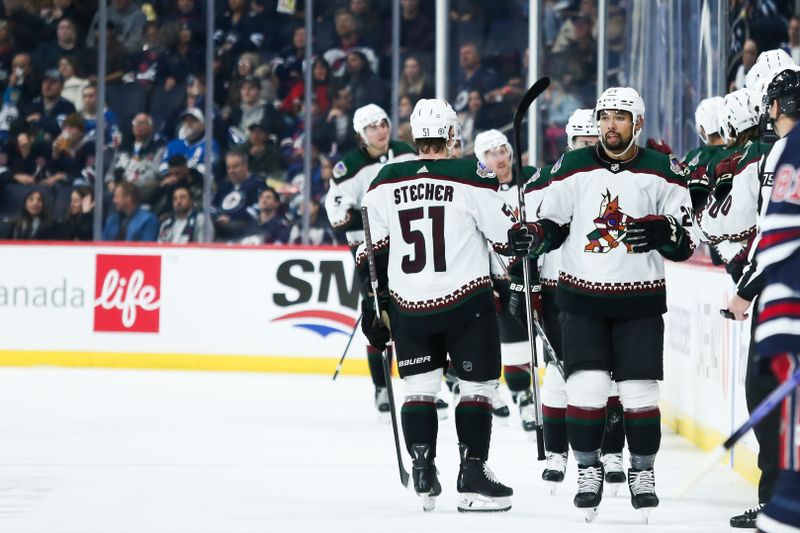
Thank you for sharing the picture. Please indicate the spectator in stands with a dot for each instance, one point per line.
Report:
(416, 29)
(263, 156)
(472, 76)
(27, 29)
(325, 175)
(794, 39)
(236, 198)
(187, 13)
(7, 52)
(587, 10)
(48, 111)
(144, 67)
(65, 45)
(190, 143)
(89, 114)
(78, 224)
(32, 223)
(473, 120)
(185, 223)
(73, 82)
(749, 56)
(183, 54)
(288, 68)
(349, 38)
(319, 229)
(252, 109)
(273, 228)
(129, 222)
(366, 87)
(371, 22)
(72, 155)
(128, 21)
(576, 64)
(245, 69)
(322, 79)
(178, 174)
(414, 83)
(334, 131)
(22, 88)
(28, 157)
(236, 32)
(560, 104)
(74, 10)
(404, 108)
(117, 56)
(137, 158)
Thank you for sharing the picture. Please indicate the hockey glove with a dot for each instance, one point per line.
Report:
(653, 232)
(376, 332)
(699, 188)
(522, 238)
(725, 171)
(516, 303)
(659, 146)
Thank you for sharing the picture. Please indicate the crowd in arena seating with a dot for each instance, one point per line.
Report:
(156, 85)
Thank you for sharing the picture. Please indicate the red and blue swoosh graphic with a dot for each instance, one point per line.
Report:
(320, 321)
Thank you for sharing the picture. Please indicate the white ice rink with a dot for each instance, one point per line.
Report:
(112, 451)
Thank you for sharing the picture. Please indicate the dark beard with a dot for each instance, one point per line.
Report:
(617, 146)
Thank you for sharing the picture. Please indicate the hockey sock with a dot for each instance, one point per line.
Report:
(474, 425)
(614, 437)
(518, 377)
(419, 420)
(554, 422)
(643, 429)
(585, 427)
(375, 362)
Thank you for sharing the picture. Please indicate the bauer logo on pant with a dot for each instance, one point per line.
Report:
(127, 293)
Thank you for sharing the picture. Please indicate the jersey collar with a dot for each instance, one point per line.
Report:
(613, 165)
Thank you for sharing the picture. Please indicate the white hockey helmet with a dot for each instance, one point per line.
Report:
(366, 116)
(708, 115)
(581, 124)
(489, 140)
(621, 99)
(738, 113)
(768, 65)
(432, 118)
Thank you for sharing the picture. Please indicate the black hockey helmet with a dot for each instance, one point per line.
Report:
(785, 89)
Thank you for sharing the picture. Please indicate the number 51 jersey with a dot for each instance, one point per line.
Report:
(434, 218)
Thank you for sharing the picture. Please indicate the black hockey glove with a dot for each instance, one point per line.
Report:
(659, 146)
(653, 232)
(522, 238)
(699, 188)
(516, 303)
(376, 332)
(725, 171)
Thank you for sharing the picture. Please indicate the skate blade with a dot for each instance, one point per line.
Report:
(428, 502)
(645, 516)
(471, 502)
(589, 514)
(613, 488)
(384, 417)
(553, 487)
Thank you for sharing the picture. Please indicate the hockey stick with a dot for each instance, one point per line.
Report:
(387, 368)
(522, 109)
(764, 408)
(539, 330)
(352, 334)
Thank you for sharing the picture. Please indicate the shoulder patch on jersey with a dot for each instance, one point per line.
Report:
(483, 171)
(558, 164)
(675, 167)
(339, 169)
(533, 178)
(695, 160)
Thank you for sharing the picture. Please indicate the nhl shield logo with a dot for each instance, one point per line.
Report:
(615, 167)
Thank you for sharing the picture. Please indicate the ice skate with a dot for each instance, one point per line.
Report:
(642, 484)
(747, 520)
(382, 400)
(424, 473)
(590, 490)
(441, 408)
(527, 410)
(614, 472)
(479, 490)
(499, 408)
(554, 470)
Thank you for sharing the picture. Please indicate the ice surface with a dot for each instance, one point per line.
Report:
(112, 451)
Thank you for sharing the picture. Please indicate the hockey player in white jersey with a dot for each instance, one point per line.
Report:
(581, 132)
(351, 178)
(430, 222)
(623, 209)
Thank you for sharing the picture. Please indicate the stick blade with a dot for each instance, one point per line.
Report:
(527, 99)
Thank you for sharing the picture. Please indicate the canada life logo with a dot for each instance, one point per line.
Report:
(127, 293)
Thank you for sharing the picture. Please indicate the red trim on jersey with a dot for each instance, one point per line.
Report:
(788, 309)
(439, 177)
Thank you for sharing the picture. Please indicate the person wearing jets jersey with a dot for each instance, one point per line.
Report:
(351, 178)
(495, 155)
(430, 221)
(621, 210)
(581, 133)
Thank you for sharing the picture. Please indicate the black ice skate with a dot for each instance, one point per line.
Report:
(382, 399)
(554, 470)
(642, 484)
(747, 520)
(527, 410)
(614, 472)
(478, 488)
(423, 471)
(590, 490)
(441, 408)
(499, 407)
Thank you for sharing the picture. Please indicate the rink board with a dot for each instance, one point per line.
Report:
(292, 309)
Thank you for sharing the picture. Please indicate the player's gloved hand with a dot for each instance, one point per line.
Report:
(373, 326)
(653, 232)
(522, 238)
(659, 146)
(699, 187)
(516, 303)
(725, 171)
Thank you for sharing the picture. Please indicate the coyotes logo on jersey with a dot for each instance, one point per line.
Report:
(611, 227)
